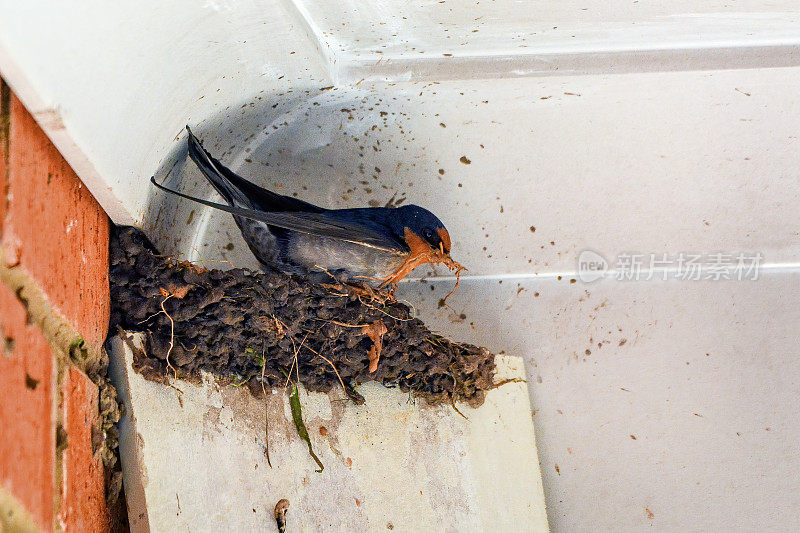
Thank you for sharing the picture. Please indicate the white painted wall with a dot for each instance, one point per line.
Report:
(665, 158)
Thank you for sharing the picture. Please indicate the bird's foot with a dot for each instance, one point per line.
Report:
(363, 290)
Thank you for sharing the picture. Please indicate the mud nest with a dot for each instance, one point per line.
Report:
(251, 327)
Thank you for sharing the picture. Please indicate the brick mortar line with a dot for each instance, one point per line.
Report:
(56, 328)
(61, 443)
(69, 349)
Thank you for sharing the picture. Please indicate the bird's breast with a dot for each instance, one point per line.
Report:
(314, 253)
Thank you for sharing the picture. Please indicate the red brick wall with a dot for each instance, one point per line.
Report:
(53, 293)
(27, 417)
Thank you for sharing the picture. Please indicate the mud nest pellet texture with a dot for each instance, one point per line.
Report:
(250, 328)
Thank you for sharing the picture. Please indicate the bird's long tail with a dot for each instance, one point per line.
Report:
(222, 178)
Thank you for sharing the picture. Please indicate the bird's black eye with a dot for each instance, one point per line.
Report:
(428, 234)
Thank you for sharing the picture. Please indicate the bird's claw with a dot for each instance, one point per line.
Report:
(362, 290)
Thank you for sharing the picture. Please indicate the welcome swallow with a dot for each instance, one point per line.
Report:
(373, 244)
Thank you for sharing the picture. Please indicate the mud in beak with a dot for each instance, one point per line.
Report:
(445, 237)
(421, 253)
